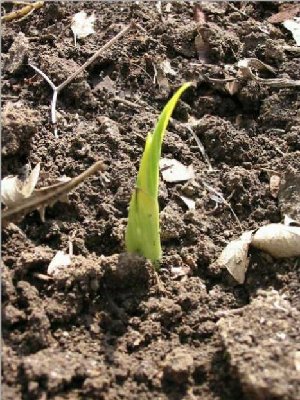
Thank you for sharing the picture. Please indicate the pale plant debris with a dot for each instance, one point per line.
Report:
(47, 196)
(235, 257)
(14, 191)
(219, 198)
(174, 171)
(278, 240)
(274, 185)
(288, 221)
(158, 7)
(201, 148)
(190, 203)
(161, 70)
(189, 126)
(202, 48)
(60, 260)
(160, 77)
(59, 88)
(199, 15)
(82, 25)
(245, 66)
(22, 13)
(297, 360)
(292, 49)
(293, 25)
(54, 97)
(168, 7)
(248, 63)
(232, 87)
(167, 69)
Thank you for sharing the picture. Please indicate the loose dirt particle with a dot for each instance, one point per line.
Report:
(177, 366)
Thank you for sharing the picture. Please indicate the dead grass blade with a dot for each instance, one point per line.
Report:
(41, 198)
(246, 64)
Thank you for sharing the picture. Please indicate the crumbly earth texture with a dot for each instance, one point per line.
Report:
(109, 326)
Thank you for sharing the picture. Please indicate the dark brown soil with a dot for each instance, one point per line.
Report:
(108, 327)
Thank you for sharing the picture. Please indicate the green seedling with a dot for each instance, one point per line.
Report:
(142, 234)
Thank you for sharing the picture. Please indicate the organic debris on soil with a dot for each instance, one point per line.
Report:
(107, 326)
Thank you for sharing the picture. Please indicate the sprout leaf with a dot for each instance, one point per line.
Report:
(142, 234)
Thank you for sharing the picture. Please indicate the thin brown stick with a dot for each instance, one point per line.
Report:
(95, 56)
(57, 89)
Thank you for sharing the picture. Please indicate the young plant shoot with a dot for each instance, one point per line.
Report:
(142, 234)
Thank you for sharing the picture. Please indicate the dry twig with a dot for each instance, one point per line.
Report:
(59, 88)
(23, 12)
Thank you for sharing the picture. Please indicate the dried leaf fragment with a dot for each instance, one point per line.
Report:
(274, 185)
(158, 7)
(168, 7)
(190, 203)
(82, 25)
(14, 191)
(39, 199)
(293, 25)
(246, 64)
(245, 70)
(167, 69)
(278, 240)
(173, 171)
(59, 261)
(235, 257)
(288, 221)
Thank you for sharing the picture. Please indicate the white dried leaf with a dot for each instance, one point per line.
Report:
(190, 203)
(59, 261)
(278, 240)
(168, 7)
(297, 360)
(158, 6)
(14, 191)
(173, 171)
(167, 69)
(289, 221)
(82, 25)
(293, 25)
(235, 257)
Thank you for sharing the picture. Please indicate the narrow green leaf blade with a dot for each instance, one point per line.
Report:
(142, 234)
(148, 175)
